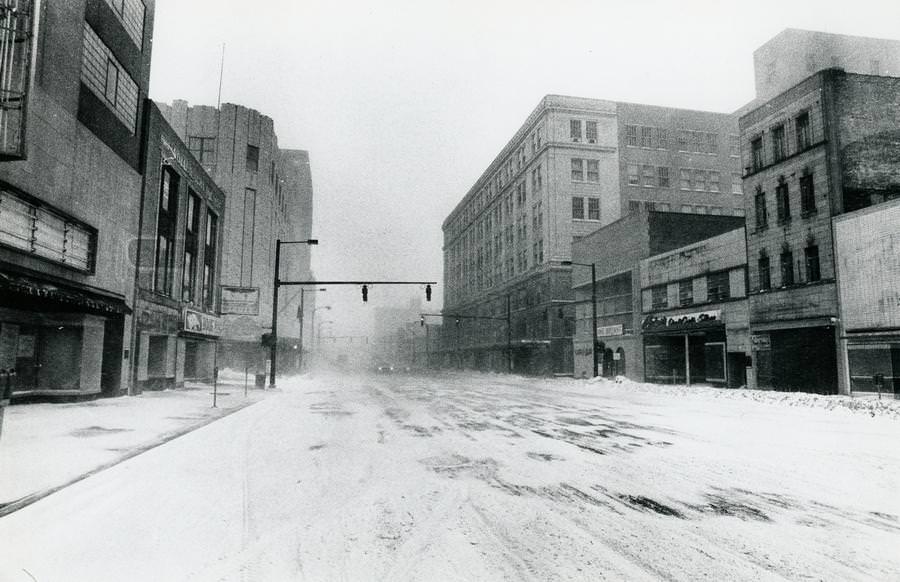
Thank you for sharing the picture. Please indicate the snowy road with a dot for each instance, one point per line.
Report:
(471, 477)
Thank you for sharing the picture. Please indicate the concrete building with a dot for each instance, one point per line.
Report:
(867, 249)
(178, 263)
(617, 250)
(792, 55)
(574, 166)
(70, 185)
(695, 324)
(267, 191)
(826, 146)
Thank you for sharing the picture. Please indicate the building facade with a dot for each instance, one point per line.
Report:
(267, 191)
(616, 251)
(574, 166)
(823, 147)
(70, 189)
(178, 263)
(694, 311)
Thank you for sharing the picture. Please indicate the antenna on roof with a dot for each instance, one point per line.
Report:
(221, 70)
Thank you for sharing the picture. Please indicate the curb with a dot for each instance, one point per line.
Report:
(22, 502)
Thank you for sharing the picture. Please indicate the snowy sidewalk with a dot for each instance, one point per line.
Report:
(47, 446)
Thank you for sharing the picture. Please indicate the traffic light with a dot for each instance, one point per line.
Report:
(457, 322)
(365, 293)
(427, 294)
(422, 321)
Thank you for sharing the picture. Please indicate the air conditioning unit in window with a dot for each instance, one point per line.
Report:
(592, 141)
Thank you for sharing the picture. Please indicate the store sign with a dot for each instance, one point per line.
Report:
(697, 319)
(240, 300)
(761, 342)
(609, 330)
(200, 323)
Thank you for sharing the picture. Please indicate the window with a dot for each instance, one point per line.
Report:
(578, 208)
(807, 193)
(107, 79)
(192, 226)
(684, 179)
(765, 275)
(756, 152)
(734, 146)
(737, 186)
(648, 176)
(714, 181)
(683, 137)
(662, 138)
(634, 205)
(659, 297)
(204, 151)
(41, 231)
(634, 177)
(209, 258)
(804, 139)
(700, 180)
(590, 129)
(783, 200)
(762, 218)
(252, 158)
(787, 268)
(575, 129)
(712, 143)
(662, 175)
(687, 208)
(778, 151)
(593, 209)
(686, 293)
(593, 170)
(631, 138)
(813, 271)
(577, 170)
(165, 229)
(131, 15)
(646, 137)
(717, 286)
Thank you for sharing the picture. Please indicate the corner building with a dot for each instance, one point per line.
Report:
(70, 184)
(576, 165)
(824, 147)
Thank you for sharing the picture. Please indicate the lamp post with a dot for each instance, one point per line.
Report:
(593, 267)
(300, 312)
(273, 348)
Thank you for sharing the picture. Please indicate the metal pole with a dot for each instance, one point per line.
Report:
(215, 373)
(427, 349)
(273, 350)
(594, 316)
(246, 373)
(509, 362)
(687, 359)
(300, 317)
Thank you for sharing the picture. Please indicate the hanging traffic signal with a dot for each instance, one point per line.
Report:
(427, 294)
(422, 321)
(365, 293)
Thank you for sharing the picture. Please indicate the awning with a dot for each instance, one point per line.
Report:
(29, 292)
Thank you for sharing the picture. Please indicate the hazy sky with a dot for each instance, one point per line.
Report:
(402, 104)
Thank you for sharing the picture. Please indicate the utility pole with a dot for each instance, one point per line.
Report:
(509, 362)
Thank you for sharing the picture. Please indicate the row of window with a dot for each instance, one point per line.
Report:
(578, 208)
(778, 142)
(783, 200)
(810, 267)
(590, 131)
(687, 140)
(635, 205)
(131, 15)
(104, 75)
(718, 288)
(43, 232)
(700, 180)
(585, 170)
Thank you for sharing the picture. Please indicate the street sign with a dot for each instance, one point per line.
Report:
(761, 342)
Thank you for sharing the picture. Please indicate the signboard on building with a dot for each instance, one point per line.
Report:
(610, 330)
(867, 244)
(761, 342)
(200, 323)
(240, 300)
(698, 319)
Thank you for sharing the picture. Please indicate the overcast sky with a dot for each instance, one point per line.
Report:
(402, 104)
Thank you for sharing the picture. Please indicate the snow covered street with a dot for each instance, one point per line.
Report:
(484, 477)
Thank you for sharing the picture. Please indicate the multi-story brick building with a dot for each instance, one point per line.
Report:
(239, 148)
(823, 147)
(178, 263)
(70, 188)
(616, 251)
(575, 165)
(792, 55)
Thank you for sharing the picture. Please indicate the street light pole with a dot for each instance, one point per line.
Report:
(273, 348)
(509, 362)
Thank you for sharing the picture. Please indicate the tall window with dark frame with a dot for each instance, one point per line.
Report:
(765, 272)
(717, 287)
(165, 231)
(209, 259)
(813, 269)
(191, 244)
(659, 297)
(686, 293)
(590, 130)
(783, 200)
(631, 135)
(804, 136)
(762, 217)
(577, 170)
(252, 158)
(757, 159)
(807, 192)
(593, 209)
(575, 129)
(203, 149)
(787, 268)
(778, 145)
(578, 208)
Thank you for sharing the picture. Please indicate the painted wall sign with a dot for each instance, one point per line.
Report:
(240, 300)
(684, 321)
(610, 330)
(202, 323)
(761, 342)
